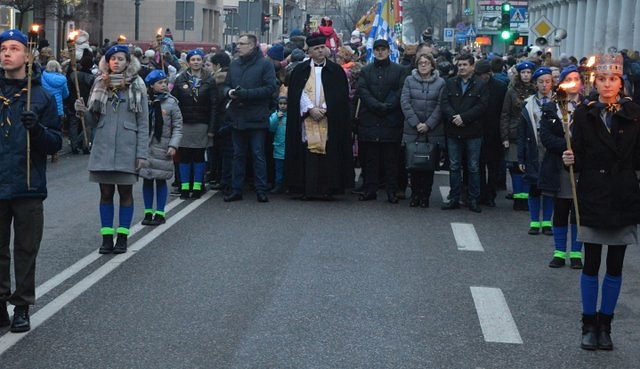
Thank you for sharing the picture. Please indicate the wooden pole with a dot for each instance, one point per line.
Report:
(71, 45)
(32, 43)
(567, 138)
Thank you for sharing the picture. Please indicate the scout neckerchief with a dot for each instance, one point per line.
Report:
(156, 119)
(194, 84)
(5, 121)
(607, 110)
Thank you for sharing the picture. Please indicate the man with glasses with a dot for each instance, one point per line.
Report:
(250, 84)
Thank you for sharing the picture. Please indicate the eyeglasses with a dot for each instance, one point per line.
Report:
(242, 43)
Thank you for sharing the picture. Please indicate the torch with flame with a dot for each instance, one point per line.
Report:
(589, 78)
(159, 42)
(562, 98)
(71, 45)
(32, 42)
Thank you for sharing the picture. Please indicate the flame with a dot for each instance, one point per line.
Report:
(159, 31)
(35, 28)
(567, 85)
(122, 37)
(591, 61)
(592, 77)
(73, 35)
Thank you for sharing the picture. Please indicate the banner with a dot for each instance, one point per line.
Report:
(383, 27)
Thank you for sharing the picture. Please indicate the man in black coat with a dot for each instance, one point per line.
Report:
(381, 121)
(318, 156)
(491, 151)
(464, 103)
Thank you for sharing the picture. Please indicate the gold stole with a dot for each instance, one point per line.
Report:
(316, 130)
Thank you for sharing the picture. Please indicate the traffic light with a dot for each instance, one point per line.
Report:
(505, 29)
(266, 21)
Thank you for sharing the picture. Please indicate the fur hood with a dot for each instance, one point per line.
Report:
(132, 69)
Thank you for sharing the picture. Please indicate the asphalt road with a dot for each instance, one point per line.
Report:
(291, 284)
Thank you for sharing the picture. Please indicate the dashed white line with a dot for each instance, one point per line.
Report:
(466, 237)
(495, 317)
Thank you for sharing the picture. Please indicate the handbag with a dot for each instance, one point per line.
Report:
(421, 156)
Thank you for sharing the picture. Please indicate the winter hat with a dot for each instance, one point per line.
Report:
(149, 54)
(86, 60)
(167, 33)
(14, 34)
(195, 52)
(154, 76)
(541, 72)
(380, 43)
(117, 48)
(525, 65)
(565, 72)
(315, 39)
(297, 55)
(482, 67)
(276, 52)
(295, 32)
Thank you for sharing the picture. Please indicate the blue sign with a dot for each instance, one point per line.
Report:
(448, 34)
(461, 37)
(519, 15)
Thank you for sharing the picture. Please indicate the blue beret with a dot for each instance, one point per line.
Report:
(14, 34)
(195, 52)
(154, 76)
(568, 69)
(540, 72)
(525, 65)
(276, 52)
(118, 48)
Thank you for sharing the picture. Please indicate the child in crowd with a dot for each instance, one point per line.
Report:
(165, 133)
(278, 126)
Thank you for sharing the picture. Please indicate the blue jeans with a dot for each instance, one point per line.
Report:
(279, 171)
(254, 140)
(471, 148)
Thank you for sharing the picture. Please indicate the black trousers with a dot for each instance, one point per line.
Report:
(27, 216)
(377, 154)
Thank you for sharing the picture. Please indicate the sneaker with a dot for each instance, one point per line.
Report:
(576, 263)
(158, 219)
(148, 219)
(21, 322)
(556, 262)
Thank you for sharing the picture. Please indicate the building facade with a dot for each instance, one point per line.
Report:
(593, 26)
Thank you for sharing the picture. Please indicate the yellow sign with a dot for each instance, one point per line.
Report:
(543, 27)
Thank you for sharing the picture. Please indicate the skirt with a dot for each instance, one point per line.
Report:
(626, 235)
(113, 177)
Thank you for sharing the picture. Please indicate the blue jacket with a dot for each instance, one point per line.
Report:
(13, 138)
(56, 84)
(256, 77)
(279, 127)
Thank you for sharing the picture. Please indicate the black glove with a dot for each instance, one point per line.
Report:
(29, 120)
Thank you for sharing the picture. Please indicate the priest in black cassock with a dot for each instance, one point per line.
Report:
(318, 156)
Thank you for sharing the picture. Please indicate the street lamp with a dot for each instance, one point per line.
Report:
(137, 16)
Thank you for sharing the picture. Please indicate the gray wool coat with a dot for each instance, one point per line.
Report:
(120, 137)
(420, 102)
(160, 164)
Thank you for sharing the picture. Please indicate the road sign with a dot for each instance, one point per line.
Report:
(461, 26)
(448, 34)
(461, 37)
(471, 32)
(518, 15)
(543, 27)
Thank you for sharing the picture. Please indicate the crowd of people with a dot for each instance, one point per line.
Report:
(301, 116)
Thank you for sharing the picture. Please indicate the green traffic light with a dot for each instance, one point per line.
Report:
(505, 35)
(506, 7)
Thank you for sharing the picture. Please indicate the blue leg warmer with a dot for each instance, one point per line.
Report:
(185, 175)
(125, 215)
(516, 182)
(610, 292)
(161, 194)
(575, 245)
(547, 208)
(589, 290)
(147, 194)
(106, 215)
(560, 238)
(534, 208)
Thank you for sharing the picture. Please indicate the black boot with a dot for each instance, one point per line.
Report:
(4, 315)
(148, 219)
(604, 332)
(21, 322)
(121, 244)
(589, 332)
(107, 244)
(415, 200)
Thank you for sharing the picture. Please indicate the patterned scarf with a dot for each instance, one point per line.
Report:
(5, 121)
(156, 121)
(607, 110)
(112, 86)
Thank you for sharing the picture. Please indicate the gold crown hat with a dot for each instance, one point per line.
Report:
(609, 64)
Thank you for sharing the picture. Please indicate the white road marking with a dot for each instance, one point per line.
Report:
(444, 192)
(9, 339)
(495, 317)
(466, 237)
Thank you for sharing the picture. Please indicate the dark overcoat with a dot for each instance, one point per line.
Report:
(608, 191)
(339, 148)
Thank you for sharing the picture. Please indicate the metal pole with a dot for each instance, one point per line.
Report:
(248, 7)
(137, 16)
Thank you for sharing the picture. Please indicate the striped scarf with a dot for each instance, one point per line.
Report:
(111, 86)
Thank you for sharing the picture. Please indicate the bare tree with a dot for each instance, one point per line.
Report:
(22, 6)
(353, 11)
(426, 13)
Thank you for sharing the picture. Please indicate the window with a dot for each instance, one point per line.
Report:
(184, 15)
